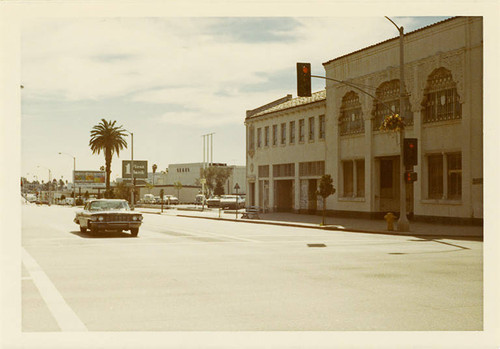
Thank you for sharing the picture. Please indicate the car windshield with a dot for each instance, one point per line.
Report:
(108, 205)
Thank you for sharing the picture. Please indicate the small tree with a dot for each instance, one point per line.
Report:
(215, 174)
(325, 190)
(162, 193)
(178, 186)
(219, 188)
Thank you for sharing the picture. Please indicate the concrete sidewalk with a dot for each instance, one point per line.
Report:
(332, 223)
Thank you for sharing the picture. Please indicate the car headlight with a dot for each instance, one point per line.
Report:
(134, 218)
(100, 218)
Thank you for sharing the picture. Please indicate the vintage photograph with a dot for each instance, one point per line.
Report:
(251, 174)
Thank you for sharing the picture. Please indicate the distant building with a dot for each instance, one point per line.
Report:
(188, 175)
(292, 143)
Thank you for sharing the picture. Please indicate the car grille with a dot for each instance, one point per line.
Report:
(117, 218)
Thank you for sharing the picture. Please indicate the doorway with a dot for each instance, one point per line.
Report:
(389, 184)
(283, 199)
(251, 193)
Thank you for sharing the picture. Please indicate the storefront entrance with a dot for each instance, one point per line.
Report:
(388, 184)
(388, 196)
(283, 199)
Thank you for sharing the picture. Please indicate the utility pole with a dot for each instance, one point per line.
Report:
(403, 223)
(208, 153)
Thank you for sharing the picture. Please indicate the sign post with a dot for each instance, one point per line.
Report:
(237, 187)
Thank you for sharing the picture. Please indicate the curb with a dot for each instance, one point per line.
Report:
(331, 228)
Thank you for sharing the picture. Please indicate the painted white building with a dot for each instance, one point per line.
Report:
(188, 174)
(444, 84)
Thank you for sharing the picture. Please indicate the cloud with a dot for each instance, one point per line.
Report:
(210, 66)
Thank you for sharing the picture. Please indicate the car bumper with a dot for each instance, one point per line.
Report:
(114, 225)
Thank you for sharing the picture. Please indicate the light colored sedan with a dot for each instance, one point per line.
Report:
(108, 214)
(231, 202)
(170, 200)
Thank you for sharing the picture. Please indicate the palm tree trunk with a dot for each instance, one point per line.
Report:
(108, 168)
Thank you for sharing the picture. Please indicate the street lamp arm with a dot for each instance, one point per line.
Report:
(356, 87)
(399, 29)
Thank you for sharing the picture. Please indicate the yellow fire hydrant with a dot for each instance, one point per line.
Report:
(389, 218)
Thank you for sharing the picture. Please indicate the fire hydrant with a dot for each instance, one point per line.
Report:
(389, 218)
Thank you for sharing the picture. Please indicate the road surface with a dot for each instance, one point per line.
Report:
(185, 274)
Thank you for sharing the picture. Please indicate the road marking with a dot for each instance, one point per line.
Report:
(204, 233)
(64, 315)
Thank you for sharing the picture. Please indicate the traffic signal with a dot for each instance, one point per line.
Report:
(410, 176)
(410, 154)
(304, 79)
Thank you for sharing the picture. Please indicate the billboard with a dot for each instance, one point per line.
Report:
(92, 179)
(140, 169)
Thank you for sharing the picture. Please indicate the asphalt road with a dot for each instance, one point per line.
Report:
(183, 274)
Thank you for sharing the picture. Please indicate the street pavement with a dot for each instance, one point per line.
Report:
(379, 226)
(190, 274)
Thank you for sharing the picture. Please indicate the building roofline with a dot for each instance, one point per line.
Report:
(393, 39)
(255, 111)
(296, 102)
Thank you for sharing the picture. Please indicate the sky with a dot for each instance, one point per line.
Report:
(169, 80)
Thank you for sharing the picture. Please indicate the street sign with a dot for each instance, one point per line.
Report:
(91, 179)
(140, 169)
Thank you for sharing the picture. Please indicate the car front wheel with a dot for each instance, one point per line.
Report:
(134, 231)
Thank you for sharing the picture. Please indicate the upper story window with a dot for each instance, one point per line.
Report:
(292, 132)
(251, 136)
(388, 93)
(441, 100)
(351, 118)
(311, 128)
(283, 133)
(301, 130)
(275, 134)
(321, 127)
(259, 137)
(266, 136)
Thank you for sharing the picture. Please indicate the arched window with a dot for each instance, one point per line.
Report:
(351, 119)
(388, 93)
(441, 101)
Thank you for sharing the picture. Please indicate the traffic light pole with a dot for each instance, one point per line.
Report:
(403, 223)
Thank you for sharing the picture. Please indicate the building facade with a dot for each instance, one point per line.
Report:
(286, 152)
(444, 112)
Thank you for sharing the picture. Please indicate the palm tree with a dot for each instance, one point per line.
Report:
(108, 138)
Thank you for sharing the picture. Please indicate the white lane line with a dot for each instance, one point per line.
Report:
(64, 315)
(200, 233)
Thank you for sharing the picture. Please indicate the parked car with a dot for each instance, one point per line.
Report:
(200, 199)
(157, 200)
(148, 198)
(170, 200)
(214, 201)
(108, 214)
(232, 202)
